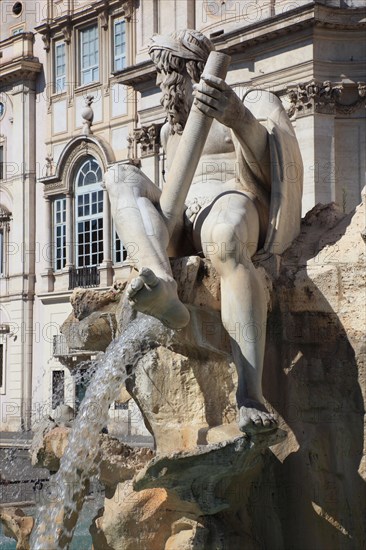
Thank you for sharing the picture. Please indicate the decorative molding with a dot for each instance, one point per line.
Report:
(46, 37)
(325, 97)
(127, 8)
(147, 137)
(104, 19)
(78, 148)
(87, 13)
(67, 31)
(361, 89)
(52, 187)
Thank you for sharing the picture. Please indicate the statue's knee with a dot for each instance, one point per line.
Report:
(123, 177)
(223, 243)
(227, 243)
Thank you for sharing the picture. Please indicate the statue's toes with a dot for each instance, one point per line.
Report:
(268, 421)
(134, 287)
(148, 276)
(257, 421)
(253, 421)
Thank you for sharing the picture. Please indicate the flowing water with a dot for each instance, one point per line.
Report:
(58, 515)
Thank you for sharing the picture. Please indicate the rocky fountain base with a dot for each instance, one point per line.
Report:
(207, 485)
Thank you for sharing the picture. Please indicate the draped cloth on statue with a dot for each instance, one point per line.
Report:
(286, 171)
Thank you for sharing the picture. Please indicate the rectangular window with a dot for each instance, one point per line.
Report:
(59, 229)
(1, 162)
(119, 44)
(58, 388)
(2, 267)
(2, 365)
(60, 67)
(89, 55)
(119, 251)
(18, 30)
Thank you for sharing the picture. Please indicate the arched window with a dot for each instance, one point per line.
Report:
(89, 214)
(85, 242)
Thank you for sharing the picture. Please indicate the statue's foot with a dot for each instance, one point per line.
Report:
(255, 419)
(149, 294)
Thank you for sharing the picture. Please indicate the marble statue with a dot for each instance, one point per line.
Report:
(233, 191)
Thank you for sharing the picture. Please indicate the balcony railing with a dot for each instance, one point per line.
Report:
(85, 277)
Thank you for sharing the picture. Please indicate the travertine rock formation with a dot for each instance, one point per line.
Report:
(118, 462)
(308, 491)
(17, 526)
(92, 324)
(84, 302)
(210, 486)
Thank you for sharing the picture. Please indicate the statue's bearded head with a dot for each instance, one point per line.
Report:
(179, 59)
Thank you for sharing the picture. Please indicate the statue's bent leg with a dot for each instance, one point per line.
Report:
(145, 236)
(229, 237)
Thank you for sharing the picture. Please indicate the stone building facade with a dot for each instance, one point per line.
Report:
(78, 93)
(21, 64)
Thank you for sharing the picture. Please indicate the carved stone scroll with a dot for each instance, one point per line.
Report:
(325, 97)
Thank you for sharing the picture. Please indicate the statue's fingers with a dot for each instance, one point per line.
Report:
(148, 276)
(206, 109)
(215, 81)
(206, 89)
(206, 99)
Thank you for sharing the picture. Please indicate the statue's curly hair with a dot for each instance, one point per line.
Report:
(175, 68)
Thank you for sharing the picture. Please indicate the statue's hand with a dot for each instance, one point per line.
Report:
(215, 98)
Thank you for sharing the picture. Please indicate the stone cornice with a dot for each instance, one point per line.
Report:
(136, 75)
(263, 32)
(102, 9)
(286, 23)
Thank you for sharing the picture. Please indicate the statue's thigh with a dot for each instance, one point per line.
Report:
(126, 183)
(231, 218)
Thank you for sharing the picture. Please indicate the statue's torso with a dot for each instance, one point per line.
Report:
(216, 170)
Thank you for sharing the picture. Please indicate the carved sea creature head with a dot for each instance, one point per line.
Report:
(179, 58)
